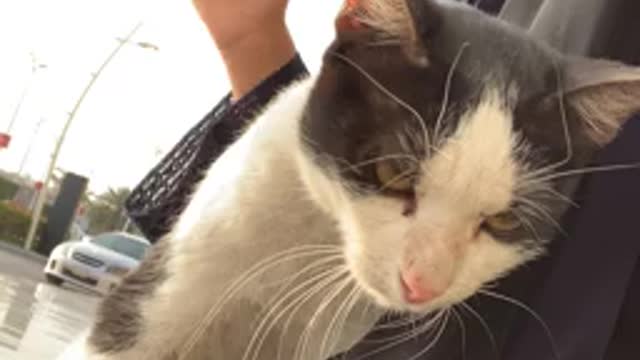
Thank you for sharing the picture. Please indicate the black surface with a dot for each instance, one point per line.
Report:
(62, 212)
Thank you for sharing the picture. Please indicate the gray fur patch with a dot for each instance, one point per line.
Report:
(119, 320)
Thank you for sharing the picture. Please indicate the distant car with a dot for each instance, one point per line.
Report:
(97, 263)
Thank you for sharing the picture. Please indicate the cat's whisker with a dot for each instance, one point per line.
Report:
(563, 116)
(565, 128)
(341, 313)
(403, 175)
(412, 321)
(324, 342)
(279, 309)
(345, 165)
(294, 253)
(309, 141)
(367, 306)
(402, 322)
(417, 140)
(558, 196)
(404, 139)
(484, 325)
(463, 332)
(300, 302)
(529, 179)
(447, 91)
(534, 209)
(355, 167)
(386, 91)
(434, 342)
(527, 224)
(527, 309)
(406, 336)
(292, 308)
(534, 214)
(356, 297)
(590, 170)
(290, 304)
(301, 348)
(543, 190)
(291, 279)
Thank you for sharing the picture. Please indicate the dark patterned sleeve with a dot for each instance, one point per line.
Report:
(162, 195)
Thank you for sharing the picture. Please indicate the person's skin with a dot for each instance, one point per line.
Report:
(251, 36)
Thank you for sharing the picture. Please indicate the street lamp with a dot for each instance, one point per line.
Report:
(25, 156)
(5, 137)
(42, 194)
(141, 44)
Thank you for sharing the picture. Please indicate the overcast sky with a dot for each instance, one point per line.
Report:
(142, 103)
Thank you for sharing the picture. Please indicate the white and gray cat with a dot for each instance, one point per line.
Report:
(435, 152)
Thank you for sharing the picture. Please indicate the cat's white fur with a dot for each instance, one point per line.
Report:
(474, 174)
(265, 194)
(251, 205)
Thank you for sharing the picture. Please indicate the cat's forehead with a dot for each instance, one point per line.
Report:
(492, 51)
(477, 48)
(373, 100)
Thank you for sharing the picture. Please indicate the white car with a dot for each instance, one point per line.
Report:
(98, 263)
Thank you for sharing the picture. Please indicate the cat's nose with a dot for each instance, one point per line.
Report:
(417, 289)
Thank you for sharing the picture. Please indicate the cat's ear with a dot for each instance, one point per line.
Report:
(603, 94)
(407, 22)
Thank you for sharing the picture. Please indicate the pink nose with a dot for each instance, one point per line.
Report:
(416, 289)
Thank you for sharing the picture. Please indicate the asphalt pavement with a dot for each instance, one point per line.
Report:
(37, 320)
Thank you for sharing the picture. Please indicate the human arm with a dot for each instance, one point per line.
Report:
(251, 36)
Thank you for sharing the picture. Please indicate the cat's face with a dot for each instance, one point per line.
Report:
(440, 139)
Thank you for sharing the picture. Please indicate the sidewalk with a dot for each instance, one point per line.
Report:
(7, 247)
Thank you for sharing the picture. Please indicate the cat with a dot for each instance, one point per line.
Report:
(436, 151)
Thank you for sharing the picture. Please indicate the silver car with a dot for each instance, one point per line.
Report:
(98, 263)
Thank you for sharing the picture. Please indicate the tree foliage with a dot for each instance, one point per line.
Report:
(106, 211)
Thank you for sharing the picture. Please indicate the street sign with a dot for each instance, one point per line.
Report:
(5, 139)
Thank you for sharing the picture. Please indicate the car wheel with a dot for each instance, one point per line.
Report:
(52, 279)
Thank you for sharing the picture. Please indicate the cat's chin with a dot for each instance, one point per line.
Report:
(398, 305)
(395, 302)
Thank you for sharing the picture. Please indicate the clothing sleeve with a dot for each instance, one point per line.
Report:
(162, 195)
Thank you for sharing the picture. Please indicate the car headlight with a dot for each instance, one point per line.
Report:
(117, 270)
(64, 251)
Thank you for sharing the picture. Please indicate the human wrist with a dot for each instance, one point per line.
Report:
(254, 56)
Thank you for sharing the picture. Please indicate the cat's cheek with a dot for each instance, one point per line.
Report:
(374, 269)
(486, 260)
(358, 265)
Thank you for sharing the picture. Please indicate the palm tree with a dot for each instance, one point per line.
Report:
(107, 210)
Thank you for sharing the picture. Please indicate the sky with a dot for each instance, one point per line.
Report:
(142, 103)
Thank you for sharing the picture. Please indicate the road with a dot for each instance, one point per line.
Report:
(37, 320)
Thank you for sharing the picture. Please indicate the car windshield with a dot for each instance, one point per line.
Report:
(121, 244)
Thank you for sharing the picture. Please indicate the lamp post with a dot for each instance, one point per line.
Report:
(42, 194)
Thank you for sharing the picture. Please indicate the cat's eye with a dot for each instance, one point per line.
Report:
(503, 222)
(393, 177)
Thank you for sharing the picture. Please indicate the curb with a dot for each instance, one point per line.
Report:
(4, 246)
